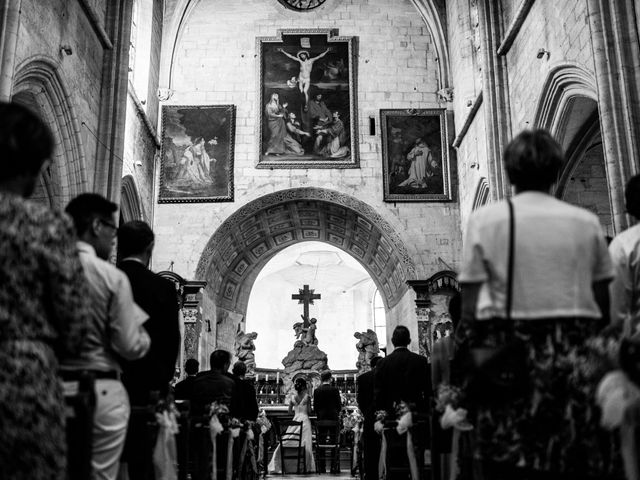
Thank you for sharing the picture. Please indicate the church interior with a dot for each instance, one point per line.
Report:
(308, 167)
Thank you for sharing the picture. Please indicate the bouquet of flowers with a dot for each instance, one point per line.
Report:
(263, 422)
(352, 420)
(381, 416)
(447, 395)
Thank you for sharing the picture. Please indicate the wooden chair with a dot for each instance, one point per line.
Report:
(397, 461)
(289, 435)
(327, 441)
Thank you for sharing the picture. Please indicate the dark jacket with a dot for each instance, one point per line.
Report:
(246, 403)
(184, 389)
(210, 387)
(326, 402)
(402, 376)
(156, 296)
(364, 396)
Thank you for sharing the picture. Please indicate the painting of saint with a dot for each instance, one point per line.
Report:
(197, 154)
(415, 155)
(307, 93)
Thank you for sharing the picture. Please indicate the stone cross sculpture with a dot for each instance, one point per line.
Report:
(305, 331)
(245, 348)
(367, 347)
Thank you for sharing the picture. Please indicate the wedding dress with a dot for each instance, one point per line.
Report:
(300, 410)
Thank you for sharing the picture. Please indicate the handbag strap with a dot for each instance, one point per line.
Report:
(512, 233)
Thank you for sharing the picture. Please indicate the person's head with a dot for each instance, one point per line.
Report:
(292, 116)
(25, 144)
(455, 309)
(325, 376)
(220, 360)
(318, 97)
(400, 336)
(632, 196)
(533, 160)
(303, 55)
(420, 142)
(300, 385)
(94, 219)
(191, 366)
(275, 97)
(239, 369)
(336, 115)
(135, 239)
(374, 361)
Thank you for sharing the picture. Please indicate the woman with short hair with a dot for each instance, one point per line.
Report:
(559, 299)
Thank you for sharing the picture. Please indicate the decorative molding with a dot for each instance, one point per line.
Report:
(435, 20)
(482, 194)
(468, 121)
(142, 113)
(9, 26)
(94, 21)
(130, 205)
(38, 77)
(515, 26)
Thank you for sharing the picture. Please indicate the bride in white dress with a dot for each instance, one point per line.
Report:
(300, 406)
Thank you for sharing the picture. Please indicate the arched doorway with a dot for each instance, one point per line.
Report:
(248, 239)
(568, 108)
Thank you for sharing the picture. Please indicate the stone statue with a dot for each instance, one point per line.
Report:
(306, 332)
(245, 348)
(367, 347)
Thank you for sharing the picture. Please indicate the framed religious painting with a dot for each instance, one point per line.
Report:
(415, 155)
(197, 153)
(307, 115)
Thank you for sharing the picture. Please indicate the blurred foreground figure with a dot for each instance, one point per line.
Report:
(43, 309)
(115, 330)
(545, 425)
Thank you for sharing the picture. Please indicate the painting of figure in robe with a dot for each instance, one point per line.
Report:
(197, 154)
(306, 100)
(415, 155)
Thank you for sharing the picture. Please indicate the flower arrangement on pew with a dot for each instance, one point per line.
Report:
(264, 425)
(448, 401)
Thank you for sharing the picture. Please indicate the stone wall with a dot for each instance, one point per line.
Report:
(215, 63)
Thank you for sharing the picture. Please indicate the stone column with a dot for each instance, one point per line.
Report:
(115, 77)
(421, 287)
(10, 18)
(495, 94)
(616, 51)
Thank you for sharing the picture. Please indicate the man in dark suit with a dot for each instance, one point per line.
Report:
(184, 389)
(214, 385)
(371, 440)
(404, 376)
(147, 379)
(327, 405)
(246, 402)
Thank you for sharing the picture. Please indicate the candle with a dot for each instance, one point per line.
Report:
(345, 377)
(266, 377)
(277, 377)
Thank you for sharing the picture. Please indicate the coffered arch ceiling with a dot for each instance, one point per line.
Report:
(250, 237)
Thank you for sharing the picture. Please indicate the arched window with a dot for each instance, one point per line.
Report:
(379, 319)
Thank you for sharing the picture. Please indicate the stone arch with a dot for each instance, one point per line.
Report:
(250, 237)
(130, 204)
(431, 11)
(38, 85)
(482, 194)
(568, 108)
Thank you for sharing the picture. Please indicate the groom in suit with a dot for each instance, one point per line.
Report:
(327, 405)
(371, 440)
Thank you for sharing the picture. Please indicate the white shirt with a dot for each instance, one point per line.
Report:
(625, 288)
(116, 320)
(560, 251)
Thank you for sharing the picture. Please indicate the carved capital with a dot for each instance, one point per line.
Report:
(165, 94)
(445, 94)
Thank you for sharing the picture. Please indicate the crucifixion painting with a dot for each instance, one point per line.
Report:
(306, 330)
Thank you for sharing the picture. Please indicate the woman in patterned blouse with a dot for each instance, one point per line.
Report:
(42, 305)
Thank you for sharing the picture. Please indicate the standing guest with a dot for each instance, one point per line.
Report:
(43, 305)
(402, 376)
(246, 403)
(561, 271)
(625, 255)
(147, 379)
(371, 440)
(115, 330)
(327, 405)
(214, 385)
(184, 389)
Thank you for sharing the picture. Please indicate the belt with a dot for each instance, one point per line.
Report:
(73, 375)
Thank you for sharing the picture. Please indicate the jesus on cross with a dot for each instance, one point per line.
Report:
(307, 328)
